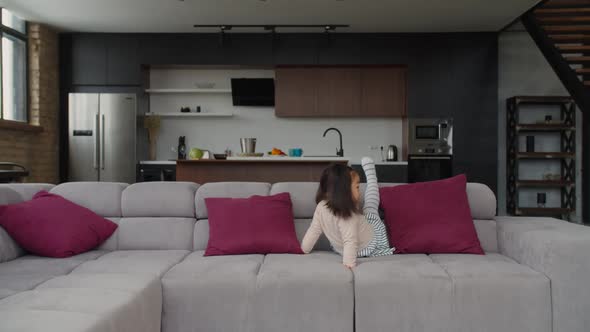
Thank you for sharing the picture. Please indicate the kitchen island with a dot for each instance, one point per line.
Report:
(255, 169)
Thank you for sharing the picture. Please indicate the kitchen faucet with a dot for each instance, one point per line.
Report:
(340, 152)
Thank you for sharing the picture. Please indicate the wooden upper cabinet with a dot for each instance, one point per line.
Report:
(383, 92)
(295, 92)
(340, 92)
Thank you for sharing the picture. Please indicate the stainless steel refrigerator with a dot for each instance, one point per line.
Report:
(101, 131)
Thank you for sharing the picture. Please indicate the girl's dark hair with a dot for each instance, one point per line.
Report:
(335, 189)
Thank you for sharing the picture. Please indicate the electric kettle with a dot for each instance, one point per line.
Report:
(392, 153)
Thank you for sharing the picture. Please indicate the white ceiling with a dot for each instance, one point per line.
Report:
(362, 15)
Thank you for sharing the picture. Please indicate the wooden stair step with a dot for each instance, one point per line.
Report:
(564, 19)
(566, 28)
(582, 71)
(587, 83)
(569, 48)
(544, 11)
(577, 59)
(565, 3)
(570, 38)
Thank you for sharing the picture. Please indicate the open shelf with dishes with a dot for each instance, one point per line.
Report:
(565, 181)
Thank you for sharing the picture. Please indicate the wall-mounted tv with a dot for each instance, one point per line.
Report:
(253, 91)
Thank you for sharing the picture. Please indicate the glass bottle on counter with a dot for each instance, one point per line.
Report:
(181, 148)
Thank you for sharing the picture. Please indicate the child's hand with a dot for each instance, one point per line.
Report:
(350, 266)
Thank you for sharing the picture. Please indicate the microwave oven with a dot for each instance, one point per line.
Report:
(431, 136)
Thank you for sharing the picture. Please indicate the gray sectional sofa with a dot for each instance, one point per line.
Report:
(151, 274)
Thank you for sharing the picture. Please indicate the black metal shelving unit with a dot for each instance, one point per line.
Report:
(567, 156)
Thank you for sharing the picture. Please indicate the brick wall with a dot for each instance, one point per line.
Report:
(38, 151)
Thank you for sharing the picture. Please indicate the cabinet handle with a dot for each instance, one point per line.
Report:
(96, 134)
(102, 146)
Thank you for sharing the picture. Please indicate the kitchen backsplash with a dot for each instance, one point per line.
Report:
(217, 134)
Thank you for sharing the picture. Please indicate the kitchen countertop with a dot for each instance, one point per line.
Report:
(157, 162)
(285, 158)
(393, 163)
(270, 159)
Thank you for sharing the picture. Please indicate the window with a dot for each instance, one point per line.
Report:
(13, 67)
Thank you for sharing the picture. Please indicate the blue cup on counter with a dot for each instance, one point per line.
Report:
(297, 152)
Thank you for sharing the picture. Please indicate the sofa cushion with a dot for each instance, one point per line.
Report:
(25, 273)
(25, 191)
(103, 198)
(487, 234)
(51, 226)
(150, 262)
(311, 292)
(254, 225)
(159, 199)
(227, 189)
(112, 243)
(201, 234)
(35, 320)
(494, 293)
(12, 193)
(162, 233)
(559, 250)
(142, 311)
(482, 201)
(302, 196)
(210, 293)
(430, 217)
(9, 249)
(301, 226)
(408, 292)
(117, 310)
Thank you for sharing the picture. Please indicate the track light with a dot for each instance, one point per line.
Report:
(273, 27)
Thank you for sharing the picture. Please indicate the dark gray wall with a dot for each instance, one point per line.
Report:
(449, 75)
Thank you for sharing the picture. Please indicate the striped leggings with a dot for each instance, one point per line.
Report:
(379, 245)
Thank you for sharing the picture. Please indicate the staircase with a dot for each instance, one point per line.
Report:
(561, 30)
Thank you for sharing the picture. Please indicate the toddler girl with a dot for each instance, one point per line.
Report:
(337, 214)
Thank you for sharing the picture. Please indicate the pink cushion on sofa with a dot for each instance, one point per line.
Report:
(255, 225)
(430, 217)
(50, 225)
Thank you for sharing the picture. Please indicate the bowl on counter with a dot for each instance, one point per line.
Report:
(220, 156)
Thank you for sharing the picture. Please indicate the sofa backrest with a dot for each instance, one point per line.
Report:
(481, 200)
(150, 215)
(157, 216)
(11, 194)
(173, 215)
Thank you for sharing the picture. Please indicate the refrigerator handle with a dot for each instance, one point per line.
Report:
(95, 154)
(102, 146)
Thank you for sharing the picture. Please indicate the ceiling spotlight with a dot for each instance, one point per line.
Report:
(326, 27)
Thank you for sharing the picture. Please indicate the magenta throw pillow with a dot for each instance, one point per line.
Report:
(50, 225)
(430, 217)
(254, 225)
